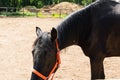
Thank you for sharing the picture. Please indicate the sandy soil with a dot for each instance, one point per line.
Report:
(16, 38)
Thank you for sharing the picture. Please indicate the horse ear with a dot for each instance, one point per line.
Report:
(53, 34)
(38, 31)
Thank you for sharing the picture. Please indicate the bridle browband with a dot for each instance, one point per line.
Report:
(58, 61)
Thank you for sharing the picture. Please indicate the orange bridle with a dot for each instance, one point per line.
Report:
(58, 61)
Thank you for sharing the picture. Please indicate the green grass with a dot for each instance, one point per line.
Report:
(2, 14)
(59, 16)
(17, 14)
(30, 14)
(51, 15)
(42, 15)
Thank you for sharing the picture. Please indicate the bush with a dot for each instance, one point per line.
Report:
(40, 4)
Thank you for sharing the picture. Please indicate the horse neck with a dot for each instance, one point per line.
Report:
(74, 29)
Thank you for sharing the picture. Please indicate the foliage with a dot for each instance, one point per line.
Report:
(18, 4)
(38, 3)
(86, 2)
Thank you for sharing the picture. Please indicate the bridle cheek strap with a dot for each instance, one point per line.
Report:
(58, 62)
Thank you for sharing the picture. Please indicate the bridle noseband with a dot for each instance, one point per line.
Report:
(58, 61)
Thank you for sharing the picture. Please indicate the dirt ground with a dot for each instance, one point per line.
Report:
(16, 38)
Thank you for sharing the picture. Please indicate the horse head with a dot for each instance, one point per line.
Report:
(44, 53)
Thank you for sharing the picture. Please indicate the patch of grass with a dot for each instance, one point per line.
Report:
(17, 14)
(51, 15)
(14, 14)
(2, 13)
(30, 14)
(59, 16)
(42, 15)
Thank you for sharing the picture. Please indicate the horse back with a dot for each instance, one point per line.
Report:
(105, 33)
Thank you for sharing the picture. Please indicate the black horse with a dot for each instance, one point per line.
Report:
(96, 29)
